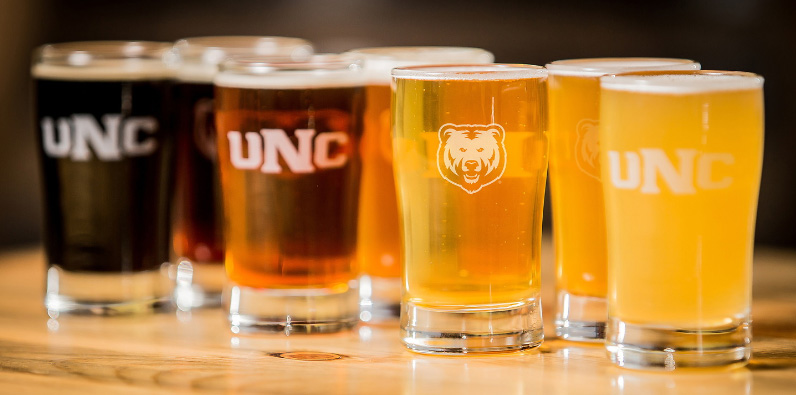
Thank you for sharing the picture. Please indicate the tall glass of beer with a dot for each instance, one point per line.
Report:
(576, 188)
(379, 241)
(106, 152)
(197, 237)
(470, 159)
(288, 151)
(683, 154)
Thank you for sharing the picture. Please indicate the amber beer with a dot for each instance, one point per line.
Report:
(470, 151)
(379, 240)
(197, 237)
(683, 154)
(106, 150)
(576, 188)
(290, 166)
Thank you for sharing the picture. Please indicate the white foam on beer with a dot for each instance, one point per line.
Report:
(601, 66)
(487, 72)
(105, 70)
(379, 61)
(312, 79)
(682, 83)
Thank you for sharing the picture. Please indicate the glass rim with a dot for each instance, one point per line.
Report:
(418, 53)
(213, 50)
(601, 66)
(474, 72)
(102, 61)
(656, 81)
(82, 53)
(319, 71)
(266, 64)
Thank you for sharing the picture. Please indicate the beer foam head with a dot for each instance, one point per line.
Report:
(102, 61)
(682, 82)
(319, 71)
(379, 61)
(596, 67)
(470, 72)
(197, 59)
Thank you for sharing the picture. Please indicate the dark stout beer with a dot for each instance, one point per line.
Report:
(106, 152)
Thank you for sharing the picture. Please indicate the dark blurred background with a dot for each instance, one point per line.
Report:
(749, 35)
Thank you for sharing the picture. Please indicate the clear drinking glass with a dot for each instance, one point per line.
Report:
(576, 188)
(470, 160)
(288, 150)
(682, 160)
(106, 153)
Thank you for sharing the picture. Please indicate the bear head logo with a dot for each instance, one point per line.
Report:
(471, 156)
(587, 148)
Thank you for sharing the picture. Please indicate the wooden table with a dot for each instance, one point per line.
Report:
(168, 353)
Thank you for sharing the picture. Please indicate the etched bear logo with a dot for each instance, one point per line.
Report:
(471, 156)
(587, 148)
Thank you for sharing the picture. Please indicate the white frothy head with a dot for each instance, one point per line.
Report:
(595, 67)
(682, 83)
(486, 72)
(102, 61)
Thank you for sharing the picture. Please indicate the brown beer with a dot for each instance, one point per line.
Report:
(295, 226)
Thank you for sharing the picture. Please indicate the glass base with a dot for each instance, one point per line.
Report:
(471, 329)
(661, 348)
(93, 293)
(580, 318)
(197, 284)
(379, 298)
(291, 311)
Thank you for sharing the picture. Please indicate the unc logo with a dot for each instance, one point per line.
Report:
(80, 138)
(328, 150)
(697, 170)
(471, 156)
(587, 148)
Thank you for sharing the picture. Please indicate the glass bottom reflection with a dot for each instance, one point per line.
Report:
(664, 348)
(292, 310)
(580, 318)
(89, 293)
(471, 329)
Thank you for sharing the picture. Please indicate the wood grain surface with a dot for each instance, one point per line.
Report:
(169, 352)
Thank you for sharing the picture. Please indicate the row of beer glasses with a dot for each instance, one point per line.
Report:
(282, 138)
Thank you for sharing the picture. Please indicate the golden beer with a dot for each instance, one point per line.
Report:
(379, 245)
(576, 188)
(470, 157)
(683, 154)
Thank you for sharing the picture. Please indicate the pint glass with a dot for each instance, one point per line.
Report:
(288, 153)
(105, 154)
(576, 188)
(379, 240)
(197, 237)
(470, 157)
(683, 154)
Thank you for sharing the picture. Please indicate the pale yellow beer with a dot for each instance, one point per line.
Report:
(576, 187)
(379, 243)
(470, 157)
(683, 154)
